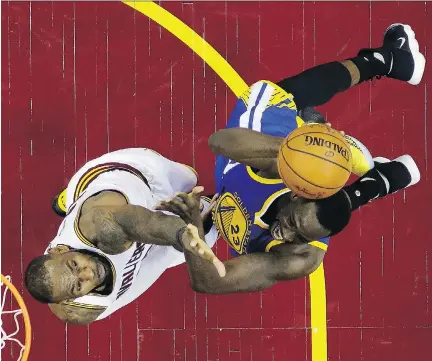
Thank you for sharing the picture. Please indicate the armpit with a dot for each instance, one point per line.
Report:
(108, 235)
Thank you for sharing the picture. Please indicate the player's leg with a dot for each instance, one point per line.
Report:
(397, 58)
(386, 177)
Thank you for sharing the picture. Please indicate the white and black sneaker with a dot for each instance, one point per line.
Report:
(400, 173)
(399, 57)
(408, 63)
(386, 177)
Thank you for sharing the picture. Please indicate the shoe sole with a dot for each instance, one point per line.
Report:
(419, 59)
(409, 162)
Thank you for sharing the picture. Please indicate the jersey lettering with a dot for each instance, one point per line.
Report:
(128, 276)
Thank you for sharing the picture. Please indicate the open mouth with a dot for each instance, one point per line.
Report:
(276, 231)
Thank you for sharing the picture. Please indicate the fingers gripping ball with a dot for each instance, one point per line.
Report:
(314, 161)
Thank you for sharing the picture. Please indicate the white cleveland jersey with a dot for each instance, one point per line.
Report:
(143, 177)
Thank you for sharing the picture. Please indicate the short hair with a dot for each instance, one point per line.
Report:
(38, 281)
(334, 212)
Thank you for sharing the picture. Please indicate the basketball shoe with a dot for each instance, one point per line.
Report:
(397, 174)
(386, 177)
(399, 57)
(58, 204)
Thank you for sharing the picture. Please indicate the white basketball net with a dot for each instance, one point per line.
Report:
(10, 337)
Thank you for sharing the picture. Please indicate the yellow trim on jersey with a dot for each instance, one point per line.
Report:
(260, 179)
(279, 95)
(84, 305)
(151, 150)
(299, 121)
(258, 221)
(273, 243)
(319, 244)
(245, 96)
(87, 177)
(192, 169)
(207, 199)
(91, 175)
(79, 233)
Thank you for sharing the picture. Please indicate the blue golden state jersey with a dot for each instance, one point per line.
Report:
(244, 195)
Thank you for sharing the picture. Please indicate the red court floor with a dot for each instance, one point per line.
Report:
(80, 79)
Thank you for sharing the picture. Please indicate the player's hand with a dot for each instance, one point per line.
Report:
(327, 124)
(340, 131)
(210, 208)
(185, 205)
(193, 243)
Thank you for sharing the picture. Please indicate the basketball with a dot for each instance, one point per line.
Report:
(314, 161)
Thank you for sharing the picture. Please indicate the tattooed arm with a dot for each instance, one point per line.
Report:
(114, 228)
(112, 225)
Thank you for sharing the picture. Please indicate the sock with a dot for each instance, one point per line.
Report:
(316, 86)
(367, 188)
(373, 62)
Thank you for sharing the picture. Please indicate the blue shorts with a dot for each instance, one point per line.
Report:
(265, 108)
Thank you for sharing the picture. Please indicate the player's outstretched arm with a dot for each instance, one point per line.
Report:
(114, 228)
(254, 272)
(247, 146)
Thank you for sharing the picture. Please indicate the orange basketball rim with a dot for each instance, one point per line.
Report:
(26, 317)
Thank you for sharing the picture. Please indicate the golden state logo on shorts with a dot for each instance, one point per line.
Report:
(232, 221)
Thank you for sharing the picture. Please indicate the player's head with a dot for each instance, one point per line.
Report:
(64, 274)
(312, 219)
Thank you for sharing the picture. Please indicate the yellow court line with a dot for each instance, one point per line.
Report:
(318, 302)
(193, 41)
(238, 86)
